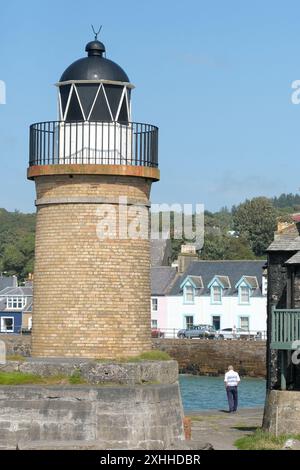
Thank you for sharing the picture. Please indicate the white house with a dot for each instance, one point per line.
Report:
(225, 294)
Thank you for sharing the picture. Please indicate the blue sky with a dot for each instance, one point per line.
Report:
(215, 77)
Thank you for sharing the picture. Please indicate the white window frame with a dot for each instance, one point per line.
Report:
(154, 304)
(190, 300)
(212, 294)
(1, 325)
(240, 322)
(241, 301)
(15, 302)
(154, 324)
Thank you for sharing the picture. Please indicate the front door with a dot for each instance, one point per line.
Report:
(189, 321)
(216, 321)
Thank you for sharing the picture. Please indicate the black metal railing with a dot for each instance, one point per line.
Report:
(85, 142)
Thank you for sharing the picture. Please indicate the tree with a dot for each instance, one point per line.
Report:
(255, 220)
(226, 247)
(13, 260)
(18, 258)
(238, 248)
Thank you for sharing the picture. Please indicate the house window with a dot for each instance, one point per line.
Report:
(216, 294)
(244, 323)
(17, 303)
(216, 321)
(154, 303)
(153, 323)
(244, 295)
(7, 325)
(189, 321)
(189, 294)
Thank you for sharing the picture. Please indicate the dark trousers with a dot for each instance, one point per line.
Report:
(232, 397)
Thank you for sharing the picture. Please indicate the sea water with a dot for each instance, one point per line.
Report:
(204, 393)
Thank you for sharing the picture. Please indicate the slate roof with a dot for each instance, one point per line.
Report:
(16, 292)
(287, 242)
(197, 280)
(160, 252)
(252, 281)
(162, 279)
(235, 270)
(295, 259)
(224, 280)
(8, 281)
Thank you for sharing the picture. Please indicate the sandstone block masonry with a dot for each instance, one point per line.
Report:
(91, 295)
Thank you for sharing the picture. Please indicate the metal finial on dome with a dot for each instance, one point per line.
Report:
(95, 48)
(96, 33)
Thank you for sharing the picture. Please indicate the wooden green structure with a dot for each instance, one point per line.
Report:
(285, 337)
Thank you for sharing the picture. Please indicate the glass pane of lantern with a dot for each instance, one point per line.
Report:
(123, 115)
(64, 95)
(87, 93)
(113, 93)
(74, 111)
(100, 110)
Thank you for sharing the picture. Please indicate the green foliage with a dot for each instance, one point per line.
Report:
(226, 247)
(261, 440)
(154, 355)
(15, 357)
(255, 220)
(16, 243)
(76, 378)
(289, 201)
(20, 378)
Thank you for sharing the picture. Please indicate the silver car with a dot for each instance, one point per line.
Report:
(231, 333)
(197, 331)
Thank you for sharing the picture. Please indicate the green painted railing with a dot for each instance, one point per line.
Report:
(285, 328)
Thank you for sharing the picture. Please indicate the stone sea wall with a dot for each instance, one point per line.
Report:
(200, 357)
(212, 357)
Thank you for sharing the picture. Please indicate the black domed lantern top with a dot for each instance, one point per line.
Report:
(94, 88)
(95, 48)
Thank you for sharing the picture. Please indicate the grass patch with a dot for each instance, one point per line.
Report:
(76, 378)
(261, 440)
(196, 418)
(154, 355)
(20, 378)
(16, 357)
(203, 418)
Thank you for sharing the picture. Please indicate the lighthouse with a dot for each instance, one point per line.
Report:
(92, 168)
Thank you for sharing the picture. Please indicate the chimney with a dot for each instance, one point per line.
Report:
(296, 219)
(186, 257)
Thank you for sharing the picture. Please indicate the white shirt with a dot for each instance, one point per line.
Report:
(232, 378)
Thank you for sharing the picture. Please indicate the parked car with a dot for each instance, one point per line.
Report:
(197, 331)
(156, 333)
(237, 333)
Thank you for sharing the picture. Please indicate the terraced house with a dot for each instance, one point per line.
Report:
(225, 294)
(16, 309)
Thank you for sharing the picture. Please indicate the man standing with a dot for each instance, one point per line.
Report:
(232, 380)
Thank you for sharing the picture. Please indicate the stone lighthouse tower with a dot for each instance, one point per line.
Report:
(93, 170)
